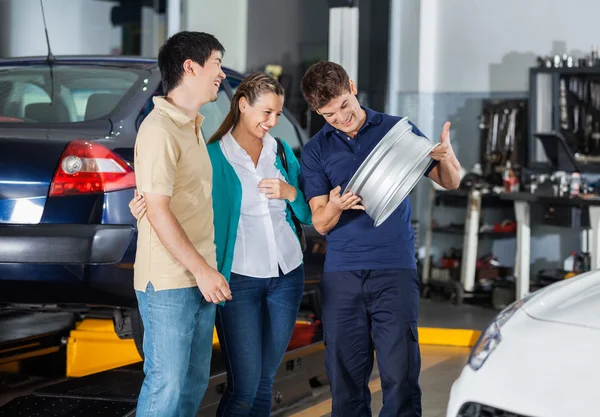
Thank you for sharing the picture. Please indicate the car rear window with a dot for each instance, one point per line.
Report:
(29, 94)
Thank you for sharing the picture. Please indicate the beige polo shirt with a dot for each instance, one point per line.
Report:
(171, 159)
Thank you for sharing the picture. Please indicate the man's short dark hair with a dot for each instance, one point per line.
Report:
(197, 46)
(323, 82)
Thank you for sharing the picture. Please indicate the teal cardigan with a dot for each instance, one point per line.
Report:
(227, 201)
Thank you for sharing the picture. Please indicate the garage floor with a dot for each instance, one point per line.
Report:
(441, 365)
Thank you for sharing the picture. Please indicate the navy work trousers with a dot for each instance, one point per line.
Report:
(365, 311)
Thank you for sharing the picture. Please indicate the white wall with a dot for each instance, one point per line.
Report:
(485, 45)
(404, 44)
(227, 20)
(74, 27)
(452, 54)
(154, 32)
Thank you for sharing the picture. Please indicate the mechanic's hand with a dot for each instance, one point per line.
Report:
(137, 206)
(348, 201)
(441, 152)
(276, 188)
(213, 286)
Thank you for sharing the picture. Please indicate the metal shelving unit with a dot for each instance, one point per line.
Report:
(473, 201)
(565, 101)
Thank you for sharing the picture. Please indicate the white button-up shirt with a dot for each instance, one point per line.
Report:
(265, 241)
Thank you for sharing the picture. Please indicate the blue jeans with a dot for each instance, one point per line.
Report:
(254, 331)
(178, 330)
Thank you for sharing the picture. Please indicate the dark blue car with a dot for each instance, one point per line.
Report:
(67, 131)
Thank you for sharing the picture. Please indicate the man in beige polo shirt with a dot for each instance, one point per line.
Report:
(176, 281)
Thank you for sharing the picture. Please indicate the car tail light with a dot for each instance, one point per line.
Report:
(86, 167)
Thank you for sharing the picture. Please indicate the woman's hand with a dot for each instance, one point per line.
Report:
(137, 206)
(276, 188)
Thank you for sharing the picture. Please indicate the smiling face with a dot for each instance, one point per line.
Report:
(261, 116)
(208, 78)
(343, 112)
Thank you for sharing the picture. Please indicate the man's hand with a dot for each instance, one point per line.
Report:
(276, 188)
(327, 209)
(447, 172)
(137, 206)
(348, 201)
(213, 286)
(444, 149)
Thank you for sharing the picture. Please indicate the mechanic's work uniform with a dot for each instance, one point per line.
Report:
(370, 285)
(171, 159)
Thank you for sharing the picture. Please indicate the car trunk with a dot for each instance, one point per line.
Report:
(28, 160)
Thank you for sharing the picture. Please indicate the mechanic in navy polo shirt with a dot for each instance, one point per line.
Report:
(370, 285)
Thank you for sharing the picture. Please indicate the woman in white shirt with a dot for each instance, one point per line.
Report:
(258, 249)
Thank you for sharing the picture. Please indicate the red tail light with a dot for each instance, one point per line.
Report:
(87, 167)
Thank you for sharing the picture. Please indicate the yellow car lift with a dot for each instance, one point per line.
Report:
(93, 346)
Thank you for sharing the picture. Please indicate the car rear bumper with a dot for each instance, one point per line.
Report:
(64, 243)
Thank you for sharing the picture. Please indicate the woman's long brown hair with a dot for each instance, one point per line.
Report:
(252, 87)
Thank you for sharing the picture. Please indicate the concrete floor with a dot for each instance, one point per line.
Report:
(441, 365)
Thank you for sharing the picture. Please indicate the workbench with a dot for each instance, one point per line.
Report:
(581, 212)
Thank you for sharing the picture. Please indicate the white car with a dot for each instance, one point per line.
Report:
(540, 357)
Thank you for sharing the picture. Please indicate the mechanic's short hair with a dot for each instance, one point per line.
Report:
(197, 46)
(323, 82)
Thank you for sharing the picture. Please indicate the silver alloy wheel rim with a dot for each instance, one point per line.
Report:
(391, 171)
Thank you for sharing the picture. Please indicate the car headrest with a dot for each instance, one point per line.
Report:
(100, 105)
(47, 112)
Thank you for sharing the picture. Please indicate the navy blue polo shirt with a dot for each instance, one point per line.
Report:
(330, 159)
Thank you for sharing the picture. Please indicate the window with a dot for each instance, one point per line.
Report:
(214, 113)
(286, 131)
(34, 94)
(30, 94)
(148, 106)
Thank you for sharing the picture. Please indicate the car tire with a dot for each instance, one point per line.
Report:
(137, 329)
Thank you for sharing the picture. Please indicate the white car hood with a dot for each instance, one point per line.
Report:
(575, 302)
